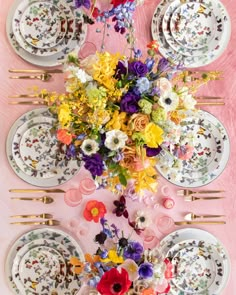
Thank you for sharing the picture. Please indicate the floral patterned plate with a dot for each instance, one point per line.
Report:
(33, 154)
(60, 248)
(195, 238)
(41, 24)
(71, 284)
(179, 57)
(67, 27)
(169, 25)
(38, 56)
(210, 156)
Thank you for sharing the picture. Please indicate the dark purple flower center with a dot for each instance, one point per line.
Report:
(123, 242)
(142, 219)
(117, 287)
(168, 101)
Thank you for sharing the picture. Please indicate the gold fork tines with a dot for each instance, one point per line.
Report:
(43, 215)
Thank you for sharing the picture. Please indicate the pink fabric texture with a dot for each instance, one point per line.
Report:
(226, 88)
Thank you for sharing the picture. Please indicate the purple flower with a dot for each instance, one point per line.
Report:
(138, 68)
(120, 70)
(145, 270)
(94, 164)
(163, 65)
(101, 238)
(129, 103)
(71, 151)
(137, 53)
(133, 251)
(150, 63)
(152, 152)
(120, 207)
(85, 3)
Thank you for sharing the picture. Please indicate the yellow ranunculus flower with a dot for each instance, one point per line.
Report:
(113, 257)
(153, 135)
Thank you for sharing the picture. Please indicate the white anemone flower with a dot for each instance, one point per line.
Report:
(115, 140)
(79, 74)
(169, 101)
(142, 220)
(89, 147)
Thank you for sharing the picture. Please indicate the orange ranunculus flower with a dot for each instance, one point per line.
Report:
(148, 291)
(94, 210)
(138, 122)
(64, 136)
(130, 155)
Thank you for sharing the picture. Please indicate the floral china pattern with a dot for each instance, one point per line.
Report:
(61, 242)
(194, 25)
(43, 25)
(179, 56)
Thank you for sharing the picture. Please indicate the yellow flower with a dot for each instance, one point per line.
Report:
(113, 257)
(153, 135)
(64, 114)
(117, 122)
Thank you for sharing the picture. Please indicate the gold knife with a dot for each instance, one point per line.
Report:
(49, 71)
(28, 102)
(199, 222)
(30, 190)
(210, 103)
(39, 95)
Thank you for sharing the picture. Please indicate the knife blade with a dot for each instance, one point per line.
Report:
(199, 222)
(49, 71)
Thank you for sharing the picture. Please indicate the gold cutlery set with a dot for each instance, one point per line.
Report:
(44, 199)
(190, 196)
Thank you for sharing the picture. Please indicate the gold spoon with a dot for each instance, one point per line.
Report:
(192, 216)
(47, 222)
(44, 199)
(43, 77)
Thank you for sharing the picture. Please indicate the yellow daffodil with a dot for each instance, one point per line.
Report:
(64, 114)
(153, 135)
(117, 121)
(113, 257)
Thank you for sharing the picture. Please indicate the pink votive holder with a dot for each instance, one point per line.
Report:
(73, 197)
(87, 186)
(165, 224)
(150, 239)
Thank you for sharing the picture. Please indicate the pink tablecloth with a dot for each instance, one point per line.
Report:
(226, 114)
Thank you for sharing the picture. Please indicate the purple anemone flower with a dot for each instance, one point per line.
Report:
(145, 270)
(94, 164)
(85, 3)
(133, 251)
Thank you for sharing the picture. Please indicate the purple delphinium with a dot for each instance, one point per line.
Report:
(138, 68)
(152, 152)
(133, 251)
(85, 3)
(94, 164)
(120, 207)
(129, 103)
(163, 65)
(145, 270)
(70, 151)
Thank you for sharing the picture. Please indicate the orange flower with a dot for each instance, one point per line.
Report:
(64, 136)
(148, 291)
(94, 210)
(153, 45)
(78, 265)
(138, 122)
(130, 155)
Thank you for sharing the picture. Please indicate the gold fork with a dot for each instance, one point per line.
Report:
(50, 222)
(192, 216)
(192, 198)
(199, 222)
(43, 77)
(44, 199)
(43, 215)
(187, 192)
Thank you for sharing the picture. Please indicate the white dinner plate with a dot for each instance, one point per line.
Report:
(192, 61)
(210, 156)
(182, 239)
(33, 153)
(58, 57)
(71, 283)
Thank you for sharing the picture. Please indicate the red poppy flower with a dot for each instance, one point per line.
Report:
(114, 282)
(118, 2)
(94, 210)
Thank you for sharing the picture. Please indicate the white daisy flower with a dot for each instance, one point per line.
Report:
(89, 147)
(79, 74)
(115, 140)
(169, 101)
(142, 220)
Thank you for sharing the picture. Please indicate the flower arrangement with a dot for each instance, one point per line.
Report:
(122, 266)
(118, 113)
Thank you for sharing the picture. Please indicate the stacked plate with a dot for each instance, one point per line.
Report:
(38, 263)
(33, 151)
(43, 32)
(200, 261)
(192, 32)
(211, 151)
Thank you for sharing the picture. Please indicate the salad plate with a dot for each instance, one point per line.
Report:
(67, 27)
(41, 24)
(209, 156)
(195, 245)
(33, 153)
(52, 242)
(74, 37)
(185, 56)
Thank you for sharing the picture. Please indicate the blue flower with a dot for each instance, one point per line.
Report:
(143, 84)
(145, 270)
(133, 251)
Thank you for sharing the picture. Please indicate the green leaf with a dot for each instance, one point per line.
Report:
(122, 179)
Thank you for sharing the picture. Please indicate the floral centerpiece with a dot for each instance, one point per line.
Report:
(122, 266)
(118, 113)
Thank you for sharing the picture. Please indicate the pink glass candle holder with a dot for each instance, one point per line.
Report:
(165, 224)
(73, 197)
(87, 186)
(88, 48)
(150, 239)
